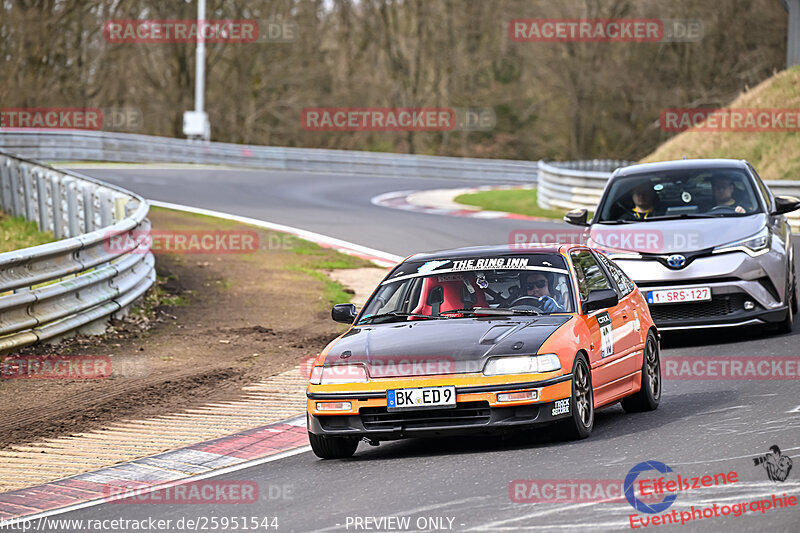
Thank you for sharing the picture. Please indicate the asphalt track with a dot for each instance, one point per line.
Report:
(705, 426)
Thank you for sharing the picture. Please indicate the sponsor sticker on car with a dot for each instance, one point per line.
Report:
(606, 333)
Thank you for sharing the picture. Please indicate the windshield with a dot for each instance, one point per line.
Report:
(694, 193)
(530, 285)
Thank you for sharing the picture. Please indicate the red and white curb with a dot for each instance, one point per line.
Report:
(441, 202)
(149, 474)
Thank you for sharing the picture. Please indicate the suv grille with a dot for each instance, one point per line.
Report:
(719, 306)
(464, 414)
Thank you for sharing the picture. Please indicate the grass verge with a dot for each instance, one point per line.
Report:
(17, 233)
(520, 201)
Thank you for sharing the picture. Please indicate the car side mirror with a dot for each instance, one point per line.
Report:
(785, 204)
(344, 313)
(599, 299)
(577, 217)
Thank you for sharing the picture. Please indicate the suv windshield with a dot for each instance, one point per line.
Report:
(532, 284)
(697, 193)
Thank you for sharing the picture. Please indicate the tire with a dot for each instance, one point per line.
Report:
(649, 394)
(581, 421)
(332, 447)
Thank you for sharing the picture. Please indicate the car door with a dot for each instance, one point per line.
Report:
(631, 332)
(611, 354)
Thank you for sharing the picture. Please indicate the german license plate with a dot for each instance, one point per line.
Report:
(668, 296)
(421, 398)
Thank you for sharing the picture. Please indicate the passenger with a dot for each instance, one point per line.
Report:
(537, 285)
(645, 201)
(722, 187)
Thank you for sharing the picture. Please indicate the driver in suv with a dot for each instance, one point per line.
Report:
(722, 188)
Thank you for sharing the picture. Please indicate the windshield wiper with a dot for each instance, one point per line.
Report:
(501, 311)
(398, 314)
(684, 216)
(619, 221)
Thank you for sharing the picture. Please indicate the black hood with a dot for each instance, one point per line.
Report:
(429, 347)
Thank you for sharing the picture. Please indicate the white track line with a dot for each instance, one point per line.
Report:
(380, 257)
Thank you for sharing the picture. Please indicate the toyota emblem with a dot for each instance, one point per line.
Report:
(676, 261)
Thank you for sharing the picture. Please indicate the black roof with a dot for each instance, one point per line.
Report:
(680, 164)
(487, 251)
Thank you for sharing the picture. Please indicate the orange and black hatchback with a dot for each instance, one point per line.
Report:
(485, 339)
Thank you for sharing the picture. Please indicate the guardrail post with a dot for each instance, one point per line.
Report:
(73, 218)
(27, 192)
(106, 208)
(58, 205)
(88, 208)
(5, 184)
(119, 207)
(13, 175)
(42, 194)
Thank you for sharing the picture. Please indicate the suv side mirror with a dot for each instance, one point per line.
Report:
(599, 299)
(785, 204)
(577, 217)
(344, 313)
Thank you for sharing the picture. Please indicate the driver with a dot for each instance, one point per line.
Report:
(537, 285)
(722, 187)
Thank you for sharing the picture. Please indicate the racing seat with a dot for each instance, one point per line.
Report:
(437, 296)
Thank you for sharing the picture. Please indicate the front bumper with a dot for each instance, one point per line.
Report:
(477, 411)
(734, 278)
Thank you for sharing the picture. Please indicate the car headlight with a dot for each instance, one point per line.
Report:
(753, 245)
(336, 374)
(521, 364)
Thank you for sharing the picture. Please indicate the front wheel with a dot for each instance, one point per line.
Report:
(581, 421)
(649, 395)
(326, 447)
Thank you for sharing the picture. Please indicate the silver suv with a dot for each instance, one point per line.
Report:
(704, 239)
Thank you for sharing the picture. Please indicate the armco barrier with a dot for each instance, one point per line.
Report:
(78, 282)
(75, 145)
(580, 184)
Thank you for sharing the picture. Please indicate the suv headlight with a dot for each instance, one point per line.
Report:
(753, 245)
(521, 364)
(336, 374)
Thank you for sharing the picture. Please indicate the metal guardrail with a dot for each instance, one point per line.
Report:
(580, 184)
(124, 147)
(75, 284)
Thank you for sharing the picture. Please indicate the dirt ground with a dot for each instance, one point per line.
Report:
(216, 323)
